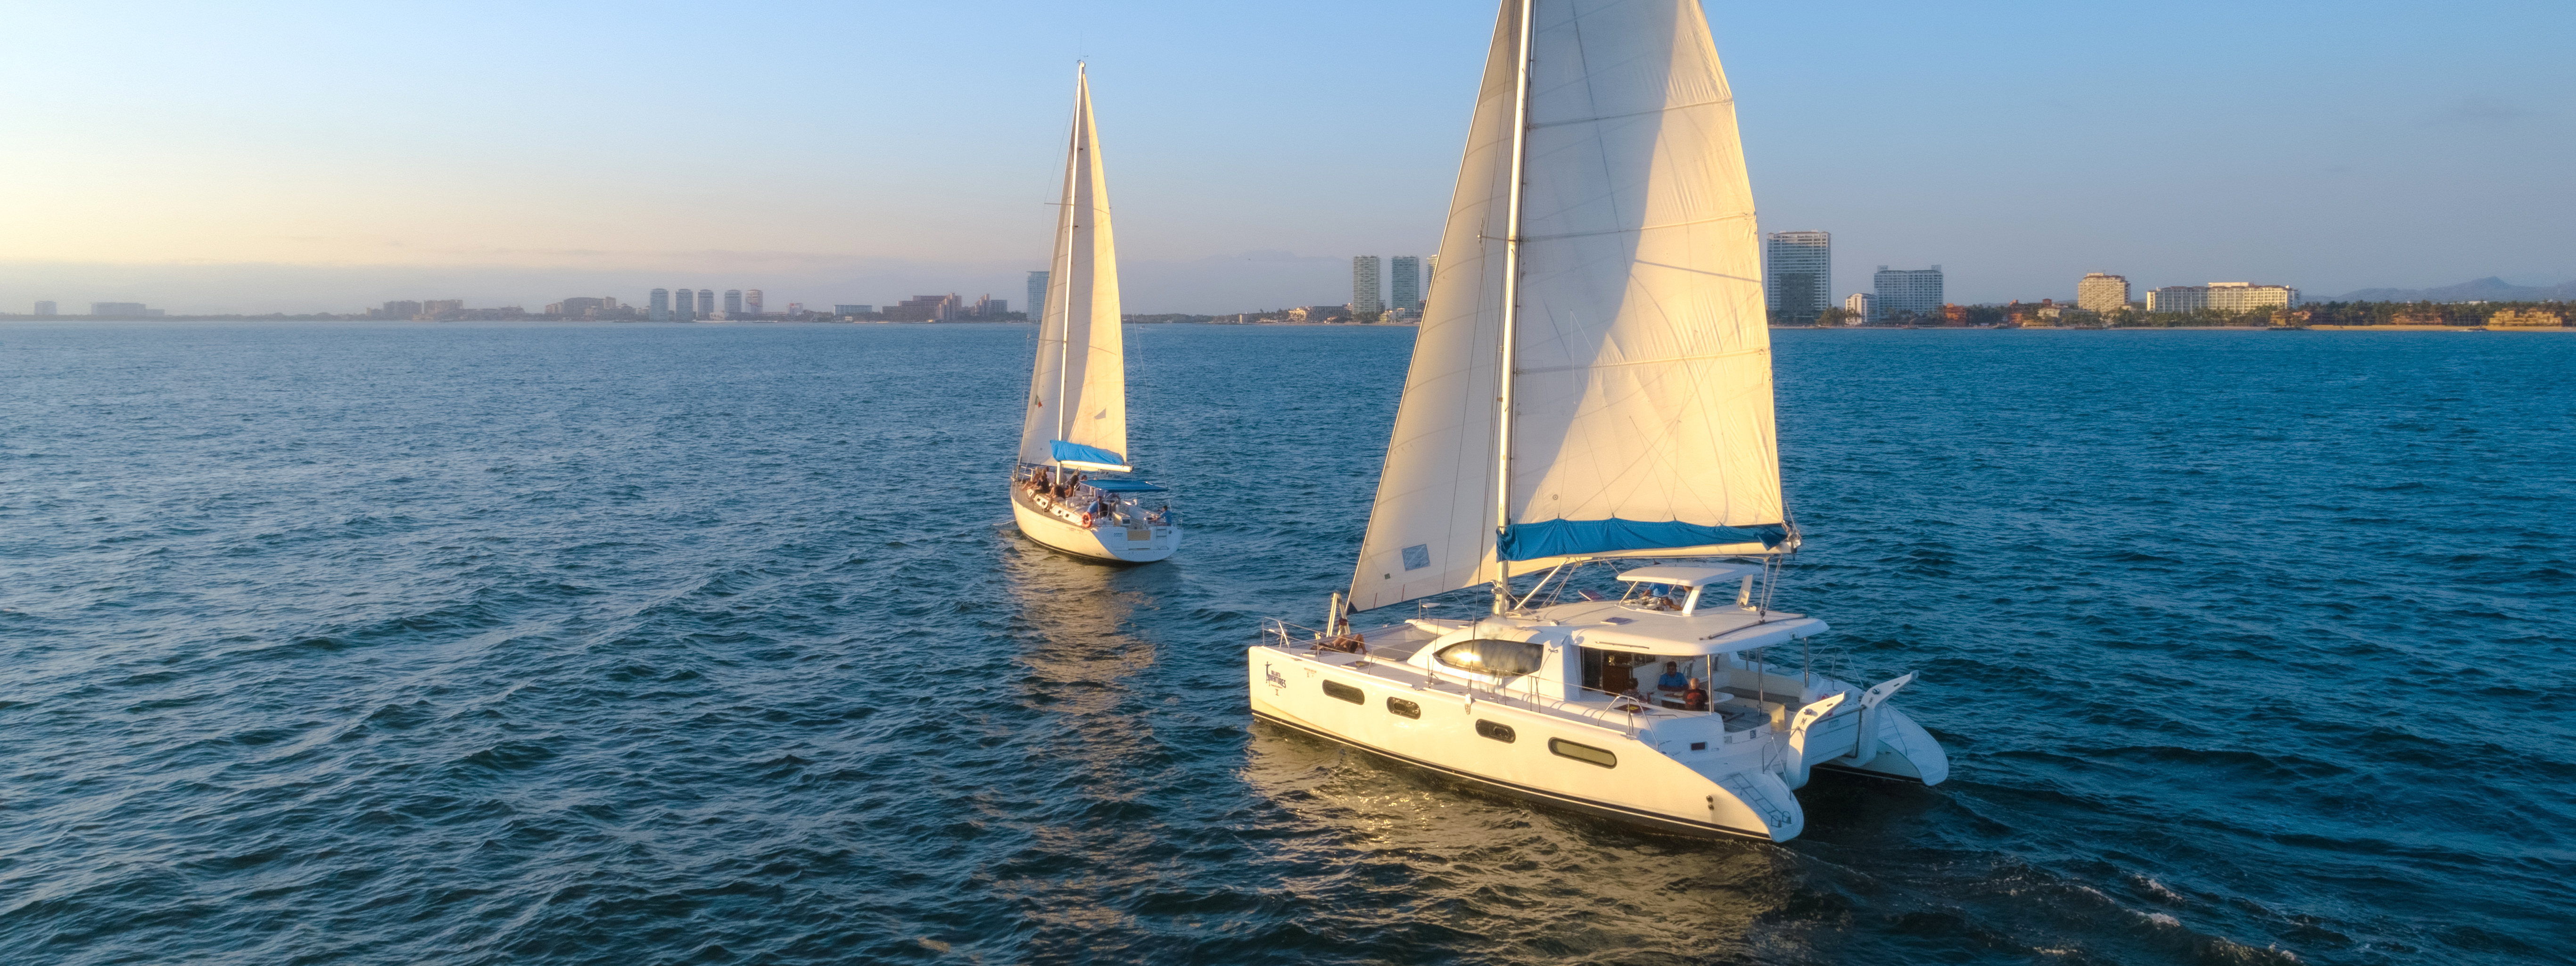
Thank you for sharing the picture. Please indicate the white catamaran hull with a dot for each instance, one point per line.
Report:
(1108, 541)
(1692, 773)
(1723, 794)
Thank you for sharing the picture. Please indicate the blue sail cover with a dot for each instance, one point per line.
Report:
(1576, 538)
(1065, 452)
(1123, 486)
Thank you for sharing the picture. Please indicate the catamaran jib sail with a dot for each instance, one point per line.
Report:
(1639, 416)
(1077, 406)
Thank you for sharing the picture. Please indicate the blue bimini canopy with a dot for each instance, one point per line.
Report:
(1576, 538)
(1123, 486)
(1088, 457)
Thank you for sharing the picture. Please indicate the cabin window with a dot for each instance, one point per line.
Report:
(1345, 692)
(1403, 707)
(1498, 732)
(1583, 753)
(1502, 659)
(1614, 672)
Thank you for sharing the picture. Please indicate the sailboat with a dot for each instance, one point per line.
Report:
(1591, 387)
(1076, 428)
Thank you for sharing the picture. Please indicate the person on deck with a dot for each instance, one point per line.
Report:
(1673, 682)
(1695, 699)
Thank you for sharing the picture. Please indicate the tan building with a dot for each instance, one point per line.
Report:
(2526, 317)
(2102, 293)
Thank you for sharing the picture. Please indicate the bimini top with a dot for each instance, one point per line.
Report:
(1677, 636)
(1083, 457)
(1681, 576)
(1123, 486)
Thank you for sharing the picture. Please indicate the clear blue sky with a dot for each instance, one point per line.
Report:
(293, 156)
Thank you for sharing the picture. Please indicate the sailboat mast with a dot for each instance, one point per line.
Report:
(1073, 225)
(1511, 316)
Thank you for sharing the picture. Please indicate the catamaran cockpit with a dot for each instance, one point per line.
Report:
(1685, 653)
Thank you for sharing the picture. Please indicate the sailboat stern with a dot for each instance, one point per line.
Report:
(1757, 799)
(1892, 746)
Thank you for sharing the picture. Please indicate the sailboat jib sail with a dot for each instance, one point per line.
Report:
(1078, 390)
(1641, 397)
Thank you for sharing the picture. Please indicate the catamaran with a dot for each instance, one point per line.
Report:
(1076, 428)
(1591, 385)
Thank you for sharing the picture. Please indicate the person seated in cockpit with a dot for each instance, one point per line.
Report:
(1673, 682)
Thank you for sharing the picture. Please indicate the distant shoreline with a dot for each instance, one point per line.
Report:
(2177, 328)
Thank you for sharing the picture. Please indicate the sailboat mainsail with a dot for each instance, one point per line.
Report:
(1077, 405)
(1603, 191)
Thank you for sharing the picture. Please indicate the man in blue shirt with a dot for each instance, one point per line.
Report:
(1672, 680)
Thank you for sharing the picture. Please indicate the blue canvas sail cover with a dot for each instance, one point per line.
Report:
(1072, 454)
(1573, 538)
(1123, 486)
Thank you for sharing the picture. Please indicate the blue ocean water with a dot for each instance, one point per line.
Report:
(658, 644)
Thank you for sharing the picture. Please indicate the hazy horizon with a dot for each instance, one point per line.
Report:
(304, 157)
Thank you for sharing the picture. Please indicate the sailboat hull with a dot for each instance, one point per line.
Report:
(1109, 544)
(1727, 796)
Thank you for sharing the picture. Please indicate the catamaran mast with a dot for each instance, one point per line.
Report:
(1511, 315)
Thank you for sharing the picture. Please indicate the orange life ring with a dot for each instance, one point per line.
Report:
(1086, 521)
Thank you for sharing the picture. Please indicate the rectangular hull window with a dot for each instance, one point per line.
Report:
(1345, 692)
(1403, 707)
(1498, 732)
(1583, 753)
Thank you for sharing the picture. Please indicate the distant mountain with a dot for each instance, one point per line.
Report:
(2488, 289)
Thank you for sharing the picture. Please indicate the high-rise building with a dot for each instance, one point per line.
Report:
(1906, 290)
(925, 308)
(1366, 295)
(733, 303)
(2102, 293)
(400, 310)
(1036, 305)
(707, 304)
(1801, 274)
(846, 311)
(795, 309)
(1404, 282)
(684, 305)
(2222, 297)
(44, 308)
(1858, 305)
(660, 308)
(581, 308)
(751, 302)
